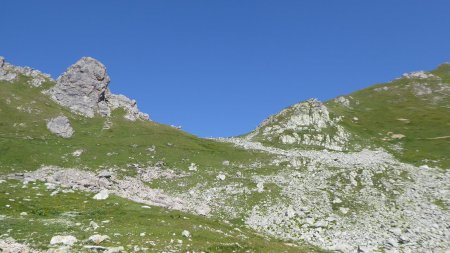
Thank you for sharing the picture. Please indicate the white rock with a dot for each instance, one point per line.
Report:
(337, 200)
(260, 187)
(193, 167)
(60, 126)
(115, 249)
(94, 225)
(63, 239)
(97, 239)
(186, 233)
(103, 194)
(77, 152)
(343, 210)
(396, 231)
(221, 177)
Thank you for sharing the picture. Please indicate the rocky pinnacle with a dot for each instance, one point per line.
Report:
(82, 88)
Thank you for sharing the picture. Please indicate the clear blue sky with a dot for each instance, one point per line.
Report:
(218, 68)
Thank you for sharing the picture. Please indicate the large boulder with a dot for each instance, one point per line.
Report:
(63, 239)
(82, 88)
(60, 126)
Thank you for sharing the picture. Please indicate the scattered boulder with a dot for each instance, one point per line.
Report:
(344, 210)
(60, 126)
(10, 245)
(260, 187)
(221, 177)
(186, 233)
(105, 174)
(115, 249)
(93, 225)
(77, 152)
(343, 101)
(95, 248)
(97, 239)
(397, 136)
(63, 239)
(103, 194)
(193, 167)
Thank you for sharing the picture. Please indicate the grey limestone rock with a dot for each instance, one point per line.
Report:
(60, 126)
(306, 123)
(10, 245)
(9, 72)
(129, 105)
(82, 88)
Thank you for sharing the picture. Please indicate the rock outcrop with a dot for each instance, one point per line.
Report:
(83, 88)
(9, 72)
(307, 123)
(128, 105)
(60, 126)
(10, 245)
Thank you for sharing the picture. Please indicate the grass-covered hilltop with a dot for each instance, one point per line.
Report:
(82, 169)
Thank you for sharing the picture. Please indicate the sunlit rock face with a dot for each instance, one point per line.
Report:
(83, 88)
(307, 123)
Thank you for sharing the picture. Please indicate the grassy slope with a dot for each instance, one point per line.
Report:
(378, 113)
(26, 144)
(71, 213)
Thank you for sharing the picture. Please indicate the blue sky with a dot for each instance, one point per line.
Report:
(218, 68)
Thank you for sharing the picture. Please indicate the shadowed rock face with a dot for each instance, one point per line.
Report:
(82, 88)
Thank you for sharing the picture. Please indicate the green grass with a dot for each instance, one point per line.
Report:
(71, 213)
(378, 113)
(26, 144)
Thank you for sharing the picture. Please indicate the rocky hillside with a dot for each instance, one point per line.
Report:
(82, 169)
(408, 116)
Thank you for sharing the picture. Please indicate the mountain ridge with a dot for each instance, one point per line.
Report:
(386, 191)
